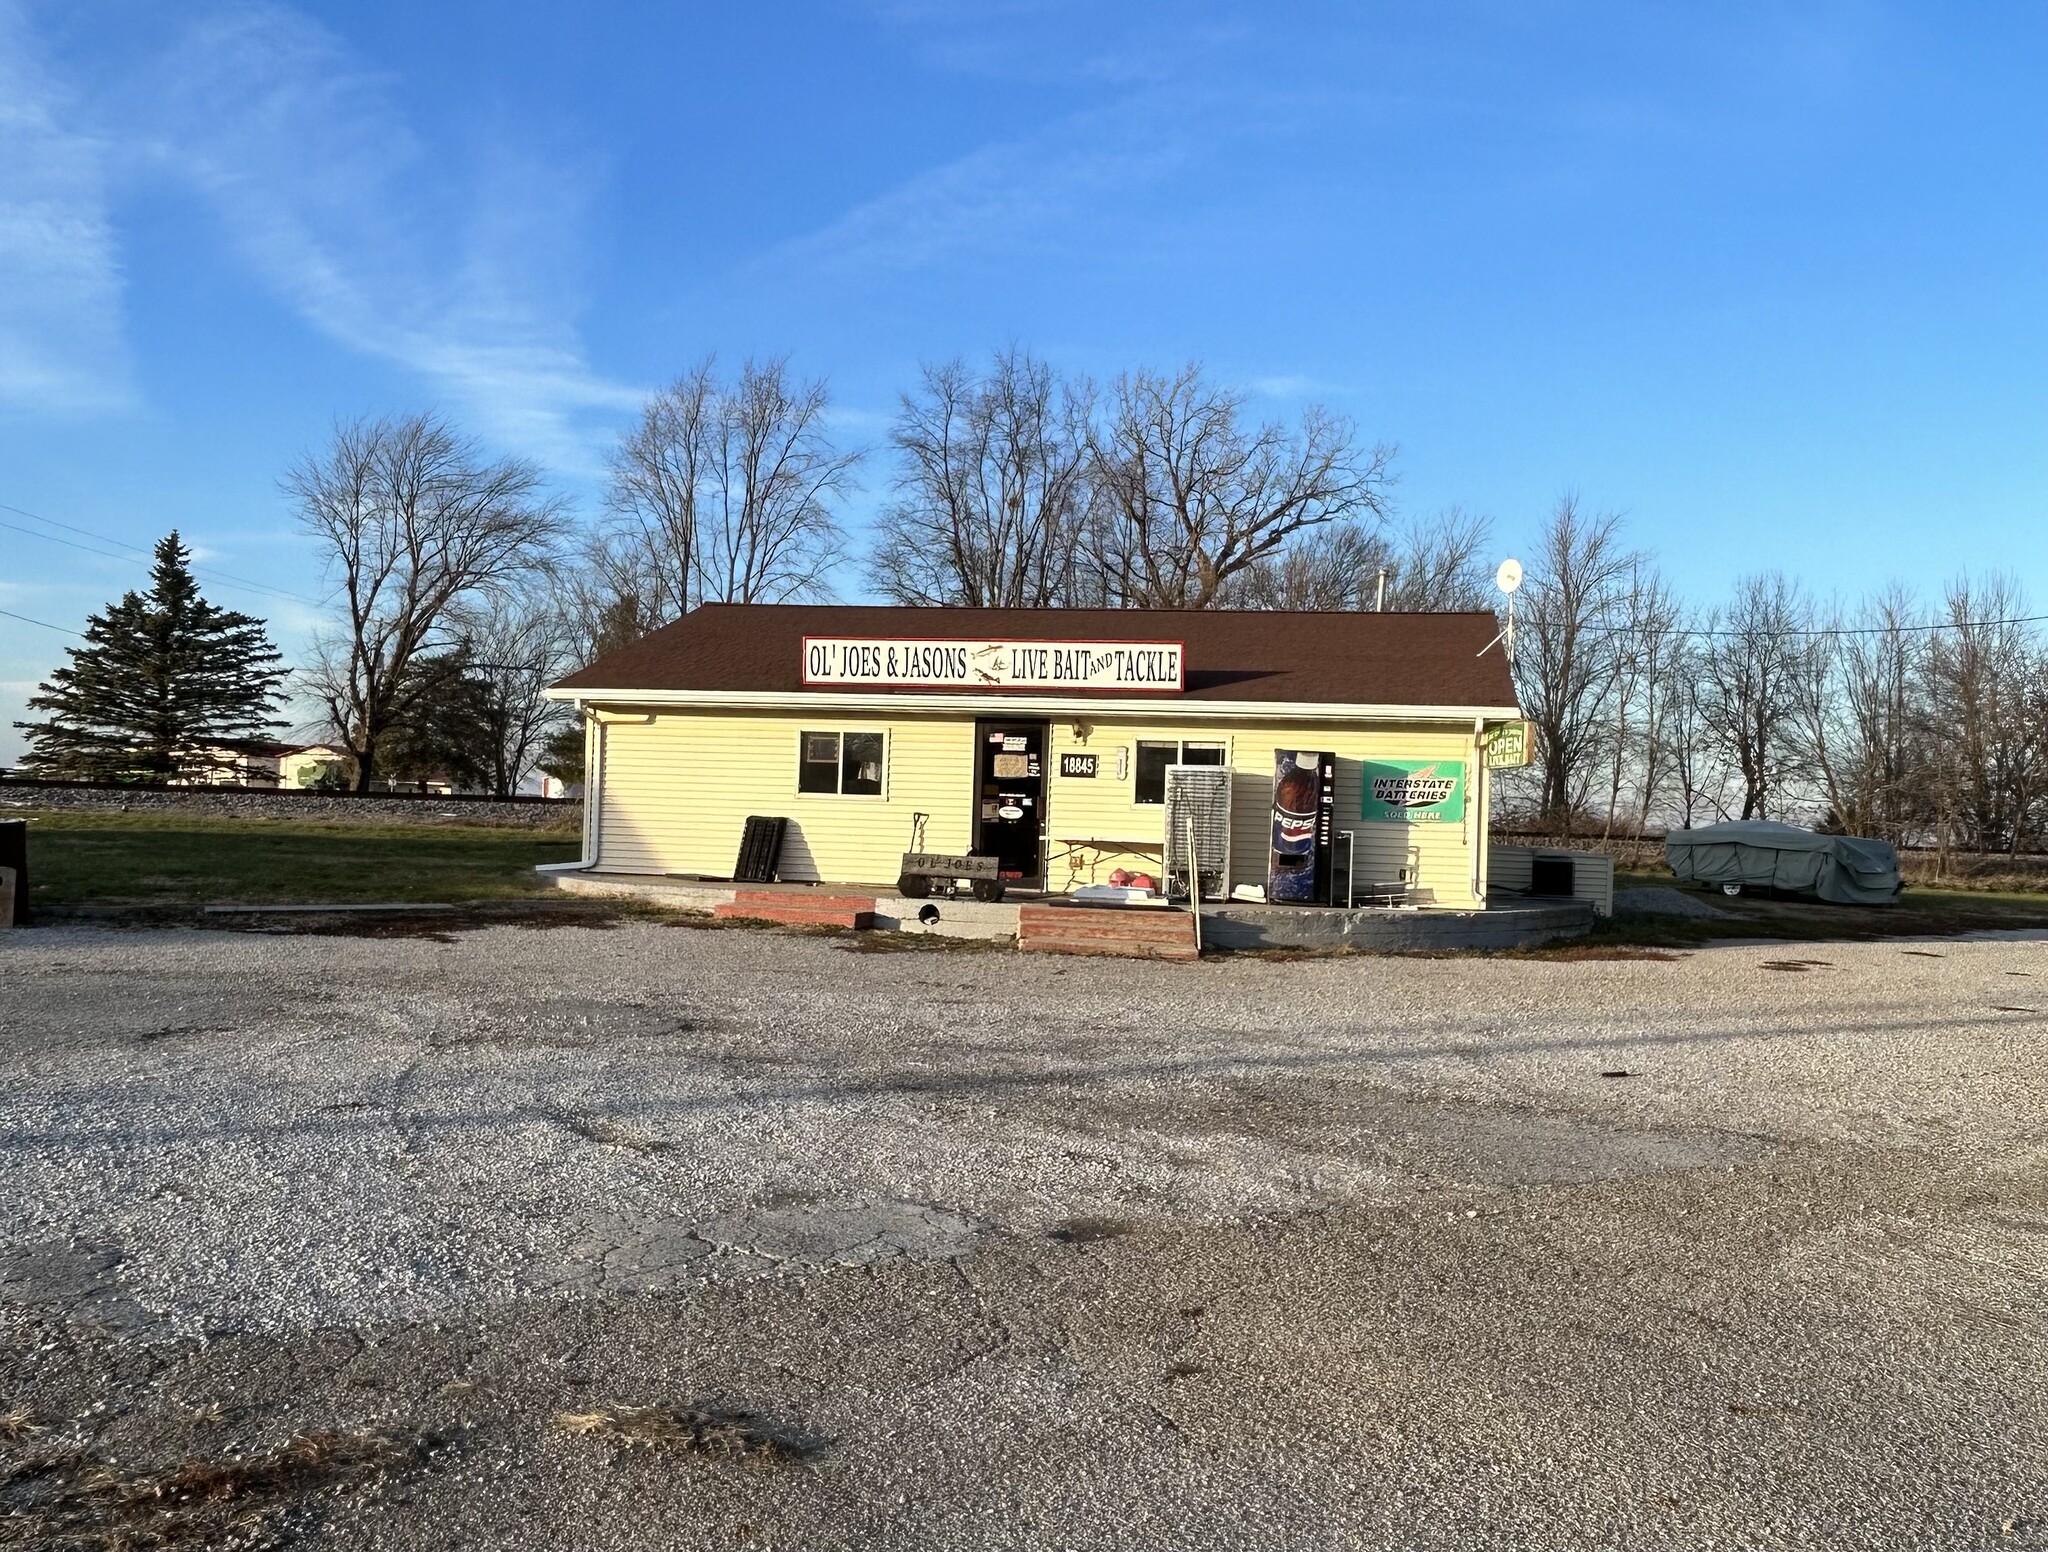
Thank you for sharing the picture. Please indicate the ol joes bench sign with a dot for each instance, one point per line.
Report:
(867, 661)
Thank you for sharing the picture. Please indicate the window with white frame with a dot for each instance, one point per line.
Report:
(1154, 757)
(846, 764)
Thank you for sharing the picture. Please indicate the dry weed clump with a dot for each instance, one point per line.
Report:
(733, 1436)
(19, 1423)
(68, 1498)
(1585, 953)
(1975, 871)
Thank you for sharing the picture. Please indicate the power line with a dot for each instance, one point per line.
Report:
(71, 528)
(225, 578)
(46, 625)
(53, 539)
(1833, 630)
(1893, 630)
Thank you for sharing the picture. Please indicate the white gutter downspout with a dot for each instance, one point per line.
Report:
(1477, 819)
(593, 796)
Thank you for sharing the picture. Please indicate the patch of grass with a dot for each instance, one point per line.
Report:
(154, 859)
(877, 942)
(1932, 913)
(704, 921)
(70, 1499)
(1089, 1231)
(734, 1436)
(1584, 950)
(531, 914)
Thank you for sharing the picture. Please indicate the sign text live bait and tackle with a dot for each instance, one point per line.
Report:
(1000, 665)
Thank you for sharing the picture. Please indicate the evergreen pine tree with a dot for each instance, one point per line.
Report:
(163, 682)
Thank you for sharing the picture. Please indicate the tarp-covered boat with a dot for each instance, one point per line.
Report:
(1761, 854)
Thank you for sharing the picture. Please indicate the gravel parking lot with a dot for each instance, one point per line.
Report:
(960, 1249)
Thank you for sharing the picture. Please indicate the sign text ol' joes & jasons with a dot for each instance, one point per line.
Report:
(1000, 665)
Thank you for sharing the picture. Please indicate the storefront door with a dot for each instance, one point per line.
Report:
(1009, 785)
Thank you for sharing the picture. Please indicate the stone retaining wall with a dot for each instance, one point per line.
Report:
(1395, 931)
(288, 803)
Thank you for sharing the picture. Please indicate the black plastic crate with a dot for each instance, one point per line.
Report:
(760, 850)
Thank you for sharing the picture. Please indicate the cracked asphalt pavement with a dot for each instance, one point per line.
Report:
(1744, 1248)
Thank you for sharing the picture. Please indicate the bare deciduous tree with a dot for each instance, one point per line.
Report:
(517, 644)
(1328, 568)
(993, 488)
(1439, 563)
(1752, 662)
(725, 492)
(1428, 564)
(1984, 749)
(613, 595)
(414, 524)
(1571, 607)
(1644, 649)
(1188, 496)
(1855, 715)
(657, 478)
(1699, 783)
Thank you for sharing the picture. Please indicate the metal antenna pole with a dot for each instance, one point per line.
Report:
(1507, 579)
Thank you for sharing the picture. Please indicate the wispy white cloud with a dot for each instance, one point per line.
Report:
(60, 280)
(1154, 107)
(858, 420)
(1298, 385)
(463, 274)
(1070, 42)
(997, 197)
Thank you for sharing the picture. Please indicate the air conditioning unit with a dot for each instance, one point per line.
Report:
(1198, 796)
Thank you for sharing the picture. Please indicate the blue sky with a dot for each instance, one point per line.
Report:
(1772, 280)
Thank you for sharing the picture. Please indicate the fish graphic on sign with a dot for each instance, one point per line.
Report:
(986, 664)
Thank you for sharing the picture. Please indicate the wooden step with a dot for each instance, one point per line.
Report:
(1102, 935)
(1132, 934)
(796, 896)
(792, 908)
(1180, 952)
(1140, 915)
(1164, 925)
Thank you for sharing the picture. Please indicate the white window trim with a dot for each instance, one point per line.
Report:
(1180, 750)
(796, 771)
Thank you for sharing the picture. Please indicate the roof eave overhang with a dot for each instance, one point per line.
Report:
(1068, 706)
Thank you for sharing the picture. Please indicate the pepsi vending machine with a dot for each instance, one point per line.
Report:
(1304, 817)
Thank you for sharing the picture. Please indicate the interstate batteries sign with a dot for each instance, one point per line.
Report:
(1415, 791)
(874, 661)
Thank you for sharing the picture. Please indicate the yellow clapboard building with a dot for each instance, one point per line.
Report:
(1040, 738)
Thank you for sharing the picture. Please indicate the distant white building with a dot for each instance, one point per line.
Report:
(313, 765)
(237, 763)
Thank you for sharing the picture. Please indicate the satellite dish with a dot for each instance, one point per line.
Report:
(1507, 579)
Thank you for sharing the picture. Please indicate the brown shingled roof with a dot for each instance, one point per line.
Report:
(1232, 655)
